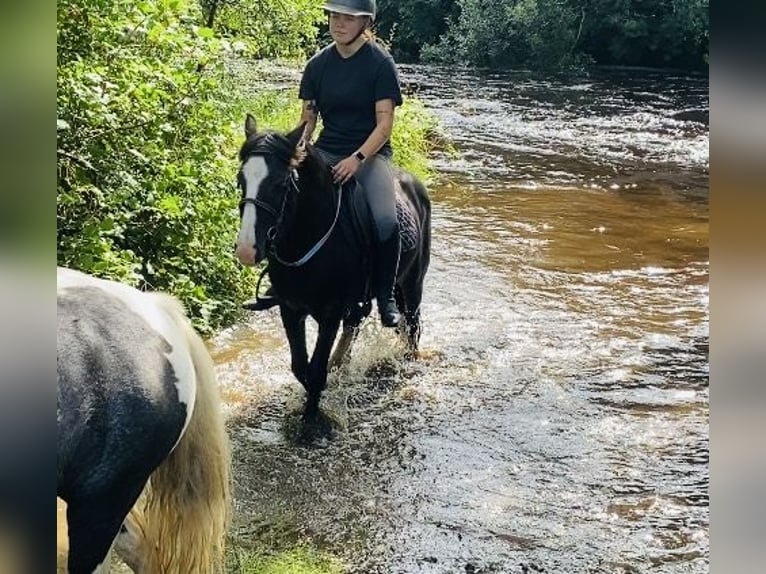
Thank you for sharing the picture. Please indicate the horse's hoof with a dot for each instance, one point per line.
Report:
(315, 426)
(411, 355)
(390, 320)
(311, 412)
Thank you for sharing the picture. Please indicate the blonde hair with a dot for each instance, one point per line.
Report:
(179, 524)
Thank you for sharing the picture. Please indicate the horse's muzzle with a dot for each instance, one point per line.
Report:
(247, 255)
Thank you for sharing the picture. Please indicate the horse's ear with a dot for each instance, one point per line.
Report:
(295, 136)
(250, 126)
(298, 143)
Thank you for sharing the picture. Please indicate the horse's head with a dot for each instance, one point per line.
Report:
(267, 162)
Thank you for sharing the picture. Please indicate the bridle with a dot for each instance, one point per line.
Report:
(278, 215)
(263, 205)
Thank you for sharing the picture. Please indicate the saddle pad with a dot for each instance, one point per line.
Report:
(408, 227)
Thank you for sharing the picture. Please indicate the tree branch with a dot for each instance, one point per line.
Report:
(579, 31)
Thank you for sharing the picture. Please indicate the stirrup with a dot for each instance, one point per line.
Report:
(269, 299)
(260, 304)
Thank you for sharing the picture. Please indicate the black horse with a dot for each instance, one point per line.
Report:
(313, 234)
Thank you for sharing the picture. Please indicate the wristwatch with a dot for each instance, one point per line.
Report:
(360, 156)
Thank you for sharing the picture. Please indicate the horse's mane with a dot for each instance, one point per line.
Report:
(271, 143)
(278, 145)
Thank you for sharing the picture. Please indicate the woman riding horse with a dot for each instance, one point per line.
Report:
(313, 233)
(354, 85)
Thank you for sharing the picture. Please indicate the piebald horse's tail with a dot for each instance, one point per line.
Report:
(179, 525)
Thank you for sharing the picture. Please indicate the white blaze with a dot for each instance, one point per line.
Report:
(254, 171)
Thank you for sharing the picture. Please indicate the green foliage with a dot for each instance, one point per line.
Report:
(548, 34)
(647, 32)
(409, 25)
(538, 34)
(271, 28)
(414, 135)
(145, 160)
(254, 89)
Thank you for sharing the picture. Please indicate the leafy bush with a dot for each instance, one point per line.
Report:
(413, 138)
(647, 33)
(548, 34)
(145, 162)
(409, 25)
(537, 34)
(271, 28)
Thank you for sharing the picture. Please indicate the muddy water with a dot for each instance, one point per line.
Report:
(558, 419)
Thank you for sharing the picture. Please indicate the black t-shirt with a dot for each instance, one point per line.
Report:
(345, 91)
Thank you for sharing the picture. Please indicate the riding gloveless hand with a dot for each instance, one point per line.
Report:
(345, 169)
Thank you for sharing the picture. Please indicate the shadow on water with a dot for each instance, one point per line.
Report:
(557, 419)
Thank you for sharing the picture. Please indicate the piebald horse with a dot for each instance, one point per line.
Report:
(138, 411)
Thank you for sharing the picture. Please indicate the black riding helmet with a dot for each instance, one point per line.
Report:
(352, 7)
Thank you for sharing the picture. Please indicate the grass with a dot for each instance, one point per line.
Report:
(298, 560)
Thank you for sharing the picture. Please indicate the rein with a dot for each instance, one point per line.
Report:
(313, 251)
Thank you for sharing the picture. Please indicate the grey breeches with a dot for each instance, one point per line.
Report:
(376, 175)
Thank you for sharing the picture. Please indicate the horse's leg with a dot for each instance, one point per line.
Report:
(342, 352)
(412, 296)
(93, 525)
(351, 323)
(317, 374)
(295, 328)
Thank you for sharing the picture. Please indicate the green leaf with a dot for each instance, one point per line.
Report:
(170, 205)
(203, 32)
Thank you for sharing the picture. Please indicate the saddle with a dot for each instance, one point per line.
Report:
(358, 226)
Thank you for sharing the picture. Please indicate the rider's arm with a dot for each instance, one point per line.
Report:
(384, 118)
(308, 115)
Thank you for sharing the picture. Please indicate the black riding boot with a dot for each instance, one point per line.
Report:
(269, 300)
(384, 279)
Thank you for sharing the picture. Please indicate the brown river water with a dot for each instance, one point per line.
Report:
(558, 418)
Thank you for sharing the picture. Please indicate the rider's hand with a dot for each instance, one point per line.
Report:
(345, 169)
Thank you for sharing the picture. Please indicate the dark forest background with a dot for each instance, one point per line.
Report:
(544, 34)
(519, 34)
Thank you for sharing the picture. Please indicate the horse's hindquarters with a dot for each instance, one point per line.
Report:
(131, 371)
